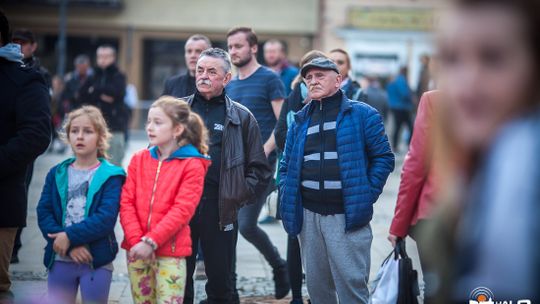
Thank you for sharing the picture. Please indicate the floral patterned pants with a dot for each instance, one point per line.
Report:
(158, 281)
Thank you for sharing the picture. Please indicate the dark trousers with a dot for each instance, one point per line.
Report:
(249, 228)
(401, 117)
(219, 249)
(18, 244)
(423, 251)
(294, 265)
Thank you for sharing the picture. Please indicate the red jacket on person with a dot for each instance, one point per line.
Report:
(417, 188)
(159, 199)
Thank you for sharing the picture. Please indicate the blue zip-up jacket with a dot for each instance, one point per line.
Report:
(399, 94)
(102, 207)
(365, 161)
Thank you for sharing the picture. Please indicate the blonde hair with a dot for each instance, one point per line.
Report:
(99, 123)
(180, 113)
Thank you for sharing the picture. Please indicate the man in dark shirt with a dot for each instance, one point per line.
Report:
(239, 169)
(106, 89)
(184, 84)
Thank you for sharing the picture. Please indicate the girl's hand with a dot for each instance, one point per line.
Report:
(142, 251)
(61, 242)
(393, 239)
(81, 255)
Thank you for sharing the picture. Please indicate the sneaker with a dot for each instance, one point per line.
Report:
(296, 301)
(200, 272)
(281, 282)
(267, 220)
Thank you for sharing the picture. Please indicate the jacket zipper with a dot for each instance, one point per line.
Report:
(220, 203)
(153, 196)
(173, 245)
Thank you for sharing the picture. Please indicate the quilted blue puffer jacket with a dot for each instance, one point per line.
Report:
(365, 161)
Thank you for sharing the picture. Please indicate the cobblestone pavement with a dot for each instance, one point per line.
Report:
(255, 275)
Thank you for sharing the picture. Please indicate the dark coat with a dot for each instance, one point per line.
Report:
(245, 171)
(179, 86)
(111, 82)
(25, 133)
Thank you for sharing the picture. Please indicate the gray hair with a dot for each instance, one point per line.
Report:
(220, 54)
(81, 59)
(199, 37)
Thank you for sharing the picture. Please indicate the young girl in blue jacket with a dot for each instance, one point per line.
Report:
(77, 213)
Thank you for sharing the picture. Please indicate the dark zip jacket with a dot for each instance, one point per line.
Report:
(244, 170)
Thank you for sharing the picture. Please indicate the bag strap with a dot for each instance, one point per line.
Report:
(399, 250)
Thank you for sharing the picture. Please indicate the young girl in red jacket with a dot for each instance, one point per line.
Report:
(162, 190)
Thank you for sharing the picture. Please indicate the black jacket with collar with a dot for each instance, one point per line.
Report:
(179, 85)
(111, 82)
(245, 171)
(25, 133)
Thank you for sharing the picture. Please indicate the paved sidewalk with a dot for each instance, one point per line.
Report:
(255, 275)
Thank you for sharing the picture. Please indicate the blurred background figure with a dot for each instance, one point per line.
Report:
(486, 235)
(275, 56)
(75, 79)
(425, 76)
(106, 90)
(183, 85)
(29, 45)
(376, 96)
(58, 111)
(401, 106)
(350, 87)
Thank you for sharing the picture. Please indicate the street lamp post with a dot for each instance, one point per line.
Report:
(61, 67)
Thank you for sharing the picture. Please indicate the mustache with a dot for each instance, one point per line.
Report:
(204, 81)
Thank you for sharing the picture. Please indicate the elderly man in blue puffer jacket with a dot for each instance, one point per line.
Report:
(337, 159)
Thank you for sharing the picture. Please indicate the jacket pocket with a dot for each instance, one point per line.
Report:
(236, 161)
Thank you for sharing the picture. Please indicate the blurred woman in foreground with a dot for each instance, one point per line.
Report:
(489, 65)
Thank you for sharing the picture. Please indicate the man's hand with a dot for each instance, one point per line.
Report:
(61, 242)
(142, 251)
(106, 98)
(81, 255)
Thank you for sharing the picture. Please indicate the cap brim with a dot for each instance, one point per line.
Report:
(308, 67)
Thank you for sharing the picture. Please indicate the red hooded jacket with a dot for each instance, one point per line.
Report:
(159, 199)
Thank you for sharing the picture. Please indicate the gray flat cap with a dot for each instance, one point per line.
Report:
(320, 63)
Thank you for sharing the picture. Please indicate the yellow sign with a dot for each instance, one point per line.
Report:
(391, 19)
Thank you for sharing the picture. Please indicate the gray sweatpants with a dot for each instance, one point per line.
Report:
(335, 260)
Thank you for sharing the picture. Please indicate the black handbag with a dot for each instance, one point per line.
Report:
(408, 289)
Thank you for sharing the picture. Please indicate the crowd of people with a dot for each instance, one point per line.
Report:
(220, 143)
